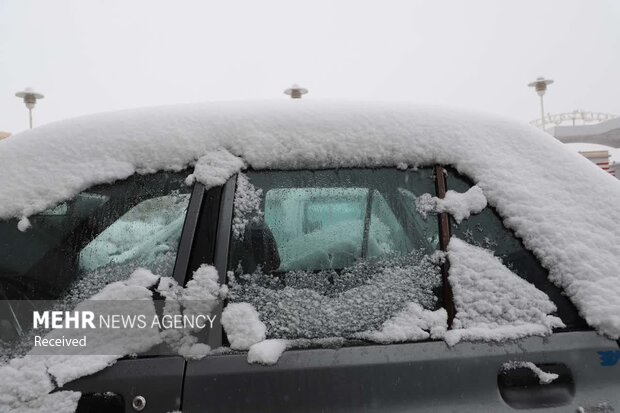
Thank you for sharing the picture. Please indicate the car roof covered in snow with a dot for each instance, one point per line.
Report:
(564, 208)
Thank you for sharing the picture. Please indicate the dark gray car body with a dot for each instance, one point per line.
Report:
(422, 376)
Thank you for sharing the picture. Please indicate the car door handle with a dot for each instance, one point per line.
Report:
(521, 388)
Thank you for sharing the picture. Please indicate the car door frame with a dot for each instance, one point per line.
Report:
(159, 378)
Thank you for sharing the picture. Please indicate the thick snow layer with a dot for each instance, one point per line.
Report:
(563, 207)
(459, 205)
(543, 376)
(493, 303)
(214, 168)
(266, 352)
(242, 325)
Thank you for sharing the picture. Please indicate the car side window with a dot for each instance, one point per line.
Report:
(487, 230)
(100, 236)
(144, 236)
(332, 253)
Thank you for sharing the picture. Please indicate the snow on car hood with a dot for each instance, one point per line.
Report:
(563, 207)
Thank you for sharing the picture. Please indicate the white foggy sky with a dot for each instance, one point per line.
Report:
(93, 55)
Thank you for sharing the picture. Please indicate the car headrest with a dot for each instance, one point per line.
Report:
(260, 249)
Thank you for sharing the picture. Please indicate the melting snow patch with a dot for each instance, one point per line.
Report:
(242, 325)
(493, 303)
(543, 376)
(267, 351)
(23, 224)
(425, 204)
(459, 205)
(413, 323)
(195, 351)
(142, 278)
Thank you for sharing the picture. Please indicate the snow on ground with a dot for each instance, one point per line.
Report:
(561, 205)
(242, 325)
(493, 303)
(266, 352)
(459, 205)
(543, 376)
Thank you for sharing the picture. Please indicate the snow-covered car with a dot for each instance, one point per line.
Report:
(351, 256)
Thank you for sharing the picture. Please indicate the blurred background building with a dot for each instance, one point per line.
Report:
(595, 135)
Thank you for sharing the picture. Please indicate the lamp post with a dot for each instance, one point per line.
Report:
(296, 91)
(30, 99)
(540, 85)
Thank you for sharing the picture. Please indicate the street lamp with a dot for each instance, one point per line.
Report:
(296, 91)
(30, 99)
(540, 85)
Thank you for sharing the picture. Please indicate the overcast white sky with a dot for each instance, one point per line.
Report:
(93, 55)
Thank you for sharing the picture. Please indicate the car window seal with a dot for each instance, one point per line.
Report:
(188, 233)
(220, 260)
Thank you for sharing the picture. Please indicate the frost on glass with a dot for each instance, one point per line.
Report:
(141, 235)
(247, 206)
(320, 228)
(316, 228)
(421, 217)
(328, 303)
(332, 253)
(145, 236)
